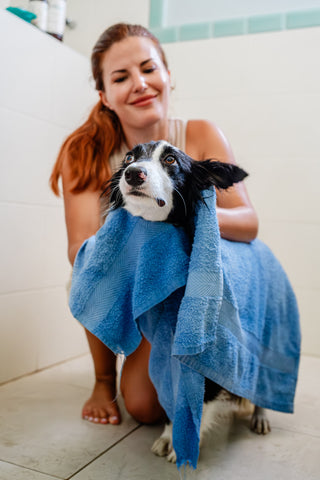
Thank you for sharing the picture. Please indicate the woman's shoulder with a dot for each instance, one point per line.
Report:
(204, 139)
(203, 128)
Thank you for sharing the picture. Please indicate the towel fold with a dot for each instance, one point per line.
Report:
(221, 309)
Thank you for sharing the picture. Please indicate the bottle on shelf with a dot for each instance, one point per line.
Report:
(39, 8)
(57, 13)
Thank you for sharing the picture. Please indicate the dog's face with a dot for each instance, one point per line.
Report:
(159, 182)
(148, 180)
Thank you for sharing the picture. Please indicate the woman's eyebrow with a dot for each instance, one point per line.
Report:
(123, 70)
(146, 61)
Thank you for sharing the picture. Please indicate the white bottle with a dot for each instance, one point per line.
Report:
(39, 8)
(57, 18)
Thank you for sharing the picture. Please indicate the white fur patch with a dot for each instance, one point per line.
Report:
(215, 413)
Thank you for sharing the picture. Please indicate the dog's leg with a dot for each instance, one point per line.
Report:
(163, 445)
(216, 413)
(259, 421)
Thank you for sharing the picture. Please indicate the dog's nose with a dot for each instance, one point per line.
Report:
(135, 176)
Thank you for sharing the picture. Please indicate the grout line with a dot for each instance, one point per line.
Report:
(8, 203)
(243, 25)
(44, 368)
(298, 432)
(34, 290)
(49, 475)
(105, 451)
(64, 127)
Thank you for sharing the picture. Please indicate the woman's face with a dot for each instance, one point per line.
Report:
(136, 83)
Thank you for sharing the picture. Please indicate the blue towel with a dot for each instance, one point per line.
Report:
(221, 309)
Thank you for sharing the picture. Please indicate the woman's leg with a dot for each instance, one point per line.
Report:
(101, 407)
(139, 394)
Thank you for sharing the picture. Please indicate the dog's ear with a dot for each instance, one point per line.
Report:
(222, 175)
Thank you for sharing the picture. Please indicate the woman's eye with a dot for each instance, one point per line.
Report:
(149, 69)
(169, 160)
(129, 159)
(119, 79)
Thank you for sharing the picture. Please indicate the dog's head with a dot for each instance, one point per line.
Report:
(159, 182)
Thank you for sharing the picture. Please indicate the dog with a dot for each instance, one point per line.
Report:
(159, 182)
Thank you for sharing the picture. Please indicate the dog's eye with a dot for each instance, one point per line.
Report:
(129, 159)
(169, 160)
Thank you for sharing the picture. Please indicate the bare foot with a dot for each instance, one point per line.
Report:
(102, 406)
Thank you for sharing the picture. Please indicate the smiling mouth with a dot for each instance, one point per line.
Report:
(144, 100)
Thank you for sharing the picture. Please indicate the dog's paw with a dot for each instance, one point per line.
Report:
(162, 446)
(259, 422)
(172, 456)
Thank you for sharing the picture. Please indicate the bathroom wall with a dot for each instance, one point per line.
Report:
(263, 90)
(92, 21)
(45, 92)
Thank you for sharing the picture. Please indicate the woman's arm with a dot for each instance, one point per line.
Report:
(82, 214)
(236, 216)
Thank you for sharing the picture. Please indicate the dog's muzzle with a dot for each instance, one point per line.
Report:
(135, 176)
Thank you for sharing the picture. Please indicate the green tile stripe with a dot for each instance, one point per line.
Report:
(227, 28)
(303, 19)
(167, 34)
(195, 31)
(231, 27)
(156, 13)
(266, 23)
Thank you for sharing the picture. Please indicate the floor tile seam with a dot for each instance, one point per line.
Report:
(40, 370)
(297, 431)
(104, 452)
(49, 475)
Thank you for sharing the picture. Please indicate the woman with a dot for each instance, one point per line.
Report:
(133, 82)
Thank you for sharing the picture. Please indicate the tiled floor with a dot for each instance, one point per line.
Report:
(44, 438)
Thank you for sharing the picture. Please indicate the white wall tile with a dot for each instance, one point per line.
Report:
(249, 64)
(44, 95)
(38, 70)
(19, 339)
(60, 336)
(28, 149)
(297, 246)
(264, 125)
(28, 66)
(91, 24)
(264, 92)
(22, 246)
(278, 190)
(309, 307)
(71, 111)
(56, 268)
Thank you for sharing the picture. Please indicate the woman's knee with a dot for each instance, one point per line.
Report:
(144, 407)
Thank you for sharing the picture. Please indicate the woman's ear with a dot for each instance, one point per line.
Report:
(171, 83)
(103, 98)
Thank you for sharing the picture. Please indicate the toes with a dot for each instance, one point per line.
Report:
(172, 457)
(260, 425)
(114, 419)
(161, 447)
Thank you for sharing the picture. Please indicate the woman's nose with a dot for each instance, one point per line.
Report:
(140, 83)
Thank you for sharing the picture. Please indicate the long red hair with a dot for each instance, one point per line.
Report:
(87, 149)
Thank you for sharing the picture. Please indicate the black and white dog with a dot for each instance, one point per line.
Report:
(161, 183)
